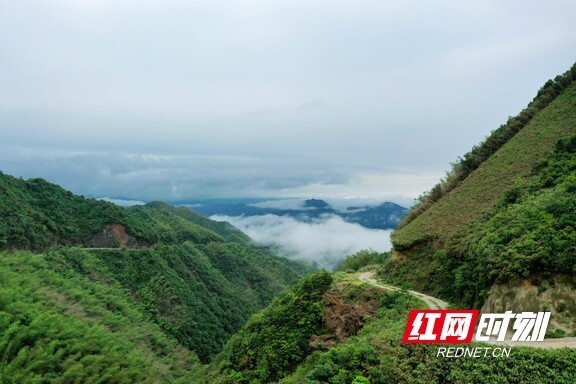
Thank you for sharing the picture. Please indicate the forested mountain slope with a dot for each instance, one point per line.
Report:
(484, 186)
(224, 229)
(61, 326)
(336, 329)
(76, 272)
(505, 236)
(37, 214)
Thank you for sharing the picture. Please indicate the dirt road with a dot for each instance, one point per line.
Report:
(435, 303)
(431, 302)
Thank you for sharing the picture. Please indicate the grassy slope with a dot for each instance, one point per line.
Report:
(484, 187)
(376, 356)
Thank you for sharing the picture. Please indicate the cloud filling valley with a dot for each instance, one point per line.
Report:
(325, 241)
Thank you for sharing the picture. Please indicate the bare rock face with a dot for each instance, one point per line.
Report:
(342, 320)
(113, 236)
(556, 295)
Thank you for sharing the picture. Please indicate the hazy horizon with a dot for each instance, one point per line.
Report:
(180, 100)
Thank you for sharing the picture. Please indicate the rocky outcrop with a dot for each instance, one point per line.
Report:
(556, 295)
(113, 236)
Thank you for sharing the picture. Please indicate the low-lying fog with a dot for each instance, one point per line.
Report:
(325, 241)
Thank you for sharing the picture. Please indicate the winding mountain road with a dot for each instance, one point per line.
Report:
(431, 302)
(435, 303)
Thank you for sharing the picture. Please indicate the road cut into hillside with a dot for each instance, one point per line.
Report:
(431, 302)
(436, 303)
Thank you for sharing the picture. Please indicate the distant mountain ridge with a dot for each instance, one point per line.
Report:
(383, 216)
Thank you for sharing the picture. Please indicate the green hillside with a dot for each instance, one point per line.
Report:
(511, 218)
(60, 326)
(37, 214)
(339, 330)
(76, 274)
(227, 231)
(183, 289)
(277, 339)
(483, 187)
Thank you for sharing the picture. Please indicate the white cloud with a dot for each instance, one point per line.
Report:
(392, 185)
(325, 241)
(296, 204)
(123, 202)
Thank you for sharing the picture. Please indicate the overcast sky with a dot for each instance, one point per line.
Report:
(175, 99)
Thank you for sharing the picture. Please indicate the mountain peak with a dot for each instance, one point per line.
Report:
(316, 203)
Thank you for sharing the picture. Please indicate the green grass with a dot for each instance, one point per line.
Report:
(449, 217)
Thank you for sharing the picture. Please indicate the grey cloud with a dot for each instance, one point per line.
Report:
(168, 177)
(315, 95)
